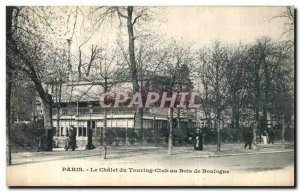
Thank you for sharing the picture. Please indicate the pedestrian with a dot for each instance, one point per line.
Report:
(198, 145)
(248, 137)
(67, 143)
(265, 137)
(72, 137)
(271, 136)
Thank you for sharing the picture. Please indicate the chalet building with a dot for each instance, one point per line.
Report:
(79, 108)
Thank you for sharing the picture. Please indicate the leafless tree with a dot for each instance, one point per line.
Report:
(30, 49)
(214, 61)
(179, 55)
(134, 18)
(106, 69)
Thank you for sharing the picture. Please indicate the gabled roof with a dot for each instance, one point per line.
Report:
(87, 91)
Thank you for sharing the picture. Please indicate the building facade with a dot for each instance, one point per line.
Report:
(79, 109)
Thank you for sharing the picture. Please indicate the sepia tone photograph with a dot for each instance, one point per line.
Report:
(150, 96)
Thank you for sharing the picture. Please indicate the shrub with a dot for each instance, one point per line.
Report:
(26, 134)
(110, 136)
(149, 136)
(120, 135)
(231, 135)
(210, 135)
(132, 136)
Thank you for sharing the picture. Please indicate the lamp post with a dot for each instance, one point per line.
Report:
(89, 128)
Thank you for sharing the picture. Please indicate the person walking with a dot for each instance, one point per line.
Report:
(265, 137)
(198, 145)
(73, 138)
(248, 137)
(271, 136)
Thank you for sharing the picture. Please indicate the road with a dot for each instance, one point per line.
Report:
(152, 166)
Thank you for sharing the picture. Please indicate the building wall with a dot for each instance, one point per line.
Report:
(81, 126)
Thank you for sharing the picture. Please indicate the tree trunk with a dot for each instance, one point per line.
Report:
(79, 65)
(264, 123)
(58, 96)
(58, 119)
(218, 134)
(47, 139)
(235, 113)
(133, 69)
(256, 103)
(170, 140)
(9, 17)
(237, 118)
(283, 134)
(8, 113)
(178, 120)
(104, 134)
(233, 109)
(140, 124)
(104, 141)
(218, 106)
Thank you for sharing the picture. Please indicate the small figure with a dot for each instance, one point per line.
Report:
(71, 140)
(271, 136)
(248, 138)
(198, 145)
(90, 145)
(67, 143)
(265, 137)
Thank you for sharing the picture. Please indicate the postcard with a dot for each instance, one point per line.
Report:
(150, 96)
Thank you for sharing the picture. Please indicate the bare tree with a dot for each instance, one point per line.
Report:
(151, 55)
(214, 81)
(266, 60)
(179, 55)
(106, 69)
(235, 74)
(289, 27)
(9, 20)
(132, 17)
(29, 48)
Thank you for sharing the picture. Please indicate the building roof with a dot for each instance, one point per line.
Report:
(86, 91)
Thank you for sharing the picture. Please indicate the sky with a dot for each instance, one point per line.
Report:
(227, 24)
(203, 25)
(199, 25)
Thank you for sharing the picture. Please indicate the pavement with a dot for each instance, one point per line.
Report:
(267, 165)
(124, 153)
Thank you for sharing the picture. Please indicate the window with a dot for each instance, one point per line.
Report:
(84, 132)
(55, 131)
(61, 131)
(80, 132)
(91, 124)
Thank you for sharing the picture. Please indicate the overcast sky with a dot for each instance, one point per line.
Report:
(227, 24)
(203, 25)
